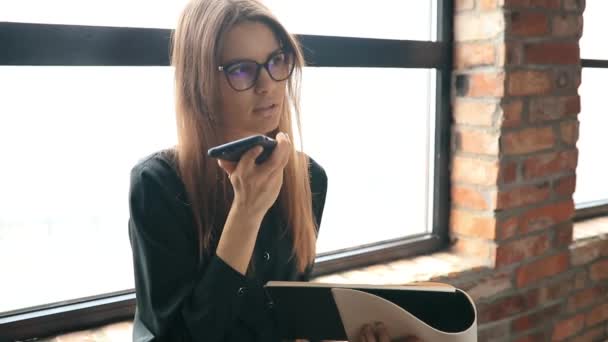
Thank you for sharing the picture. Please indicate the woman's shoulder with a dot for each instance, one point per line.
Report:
(159, 168)
(162, 161)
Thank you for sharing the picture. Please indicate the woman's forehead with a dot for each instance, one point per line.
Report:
(249, 40)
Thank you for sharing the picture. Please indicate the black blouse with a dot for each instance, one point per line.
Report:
(177, 298)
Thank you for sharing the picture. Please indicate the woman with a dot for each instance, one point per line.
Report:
(207, 235)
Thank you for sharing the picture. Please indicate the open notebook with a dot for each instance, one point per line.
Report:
(430, 311)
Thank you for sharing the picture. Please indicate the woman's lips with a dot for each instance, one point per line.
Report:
(266, 110)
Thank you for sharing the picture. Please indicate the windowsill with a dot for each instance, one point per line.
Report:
(588, 236)
(409, 270)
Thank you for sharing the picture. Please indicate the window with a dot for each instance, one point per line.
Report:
(375, 109)
(378, 161)
(391, 19)
(591, 195)
(67, 158)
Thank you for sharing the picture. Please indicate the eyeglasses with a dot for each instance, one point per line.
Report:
(243, 74)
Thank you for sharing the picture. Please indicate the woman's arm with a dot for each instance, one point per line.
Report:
(170, 286)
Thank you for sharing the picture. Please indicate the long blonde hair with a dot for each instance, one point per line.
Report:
(196, 47)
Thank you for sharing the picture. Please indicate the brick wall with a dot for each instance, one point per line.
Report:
(515, 105)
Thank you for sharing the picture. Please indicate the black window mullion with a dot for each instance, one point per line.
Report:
(74, 45)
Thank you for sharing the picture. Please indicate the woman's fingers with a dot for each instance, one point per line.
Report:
(280, 156)
(367, 334)
(227, 166)
(381, 332)
(248, 158)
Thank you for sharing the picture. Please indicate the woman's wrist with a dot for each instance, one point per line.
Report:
(238, 238)
(243, 213)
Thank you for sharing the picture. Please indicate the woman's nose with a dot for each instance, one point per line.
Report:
(264, 82)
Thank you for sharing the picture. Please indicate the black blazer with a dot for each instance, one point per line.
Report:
(180, 300)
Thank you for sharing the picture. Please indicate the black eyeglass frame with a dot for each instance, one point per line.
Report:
(225, 67)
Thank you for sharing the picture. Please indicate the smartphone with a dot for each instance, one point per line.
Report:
(233, 150)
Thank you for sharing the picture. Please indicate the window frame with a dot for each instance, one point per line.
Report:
(78, 45)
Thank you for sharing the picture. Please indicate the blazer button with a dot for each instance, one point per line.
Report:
(266, 256)
(241, 291)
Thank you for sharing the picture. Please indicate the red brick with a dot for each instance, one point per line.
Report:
(597, 315)
(494, 332)
(569, 132)
(565, 186)
(524, 248)
(549, 4)
(522, 196)
(584, 252)
(509, 53)
(550, 163)
(472, 225)
(476, 141)
(563, 235)
(535, 319)
(529, 82)
(474, 171)
(529, 24)
(534, 337)
(469, 197)
(568, 327)
(468, 55)
(586, 297)
(507, 228)
(511, 113)
(567, 25)
(555, 289)
(580, 282)
(544, 109)
(473, 198)
(473, 26)
(475, 247)
(552, 53)
(546, 267)
(528, 140)
(480, 113)
(593, 335)
(485, 84)
(502, 308)
(546, 216)
(463, 5)
(488, 287)
(599, 270)
(574, 5)
(508, 173)
(567, 79)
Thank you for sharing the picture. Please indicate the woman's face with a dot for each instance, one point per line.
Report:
(256, 110)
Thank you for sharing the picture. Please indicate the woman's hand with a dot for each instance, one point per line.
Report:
(377, 333)
(256, 187)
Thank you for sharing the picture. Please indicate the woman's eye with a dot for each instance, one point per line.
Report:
(241, 70)
(235, 70)
(278, 59)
